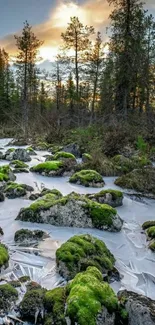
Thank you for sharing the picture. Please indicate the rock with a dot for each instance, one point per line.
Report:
(8, 296)
(34, 196)
(1, 155)
(82, 251)
(2, 197)
(112, 197)
(4, 257)
(31, 152)
(31, 307)
(125, 165)
(18, 154)
(1, 231)
(74, 210)
(19, 166)
(141, 309)
(149, 227)
(73, 148)
(51, 168)
(17, 142)
(6, 174)
(86, 157)
(15, 190)
(25, 237)
(40, 146)
(89, 298)
(49, 157)
(141, 180)
(45, 191)
(88, 178)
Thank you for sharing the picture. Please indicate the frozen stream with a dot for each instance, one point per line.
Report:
(135, 262)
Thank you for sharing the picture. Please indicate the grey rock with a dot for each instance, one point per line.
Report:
(72, 148)
(105, 318)
(18, 154)
(141, 309)
(2, 197)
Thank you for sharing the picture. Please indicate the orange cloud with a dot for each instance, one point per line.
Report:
(92, 12)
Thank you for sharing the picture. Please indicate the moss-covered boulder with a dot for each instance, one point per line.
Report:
(4, 257)
(19, 166)
(54, 149)
(112, 197)
(73, 210)
(82, 251)
(15, 190)
(1, 231)
(88, 296)
(87, 178)
(86, 157)
(26, 237)
(54, 303)
(50, 168)
(125, 165)
(8, 296)
(32, 304)
(6, 174)
(149, 227)
(64, 155)
(30, 151)
(45, 191)
(40, 146)
(141, 180)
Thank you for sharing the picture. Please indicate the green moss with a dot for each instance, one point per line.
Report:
(86, 156)
(46, 202)
(86, 178)
(26, 234)
(4, 256)
(54, 303)
(101, 214)
(19, 164)
(62, 154)
(82, 251)
(151, 232)
(48, 166)
(31, 303)
(126, 165)
(24, 278)
(13, 186)
(10, 150)
(4, 173)
(152, 245)
(55, 149)
(148, 224)
(53, 191)
(115, 194)
(87, 294)
(8, 294)
(15, 284)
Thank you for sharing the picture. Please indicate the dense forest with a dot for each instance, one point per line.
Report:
(94, 83)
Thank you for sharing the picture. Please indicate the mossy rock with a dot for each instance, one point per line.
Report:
(49, 168)
(4, 256)
(15, 190)
(6, 174)
(141, 180)
(148, 224)
(55, 149)
(73, 210)
(31, 304)
(54, 191)
(31, 151)
(64, 155)
(151, 232)
(2, 197)
(40, 146)
(82, 251)
(15, 283)
(87, 178)
(18, 164)
(8, 295)
(54, 302)
(86, 157)
(112, 197)
(87, 295)
(26, 237)
(24, 278)
(125, 165)
(1, 231)
(152, 245)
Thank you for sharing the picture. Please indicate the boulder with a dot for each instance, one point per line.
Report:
(2, 197)
(31, 307)
(88, 178)
(52, 168)
(15, 190)
(73, 210)
(141, 309)
(72, 148)
(17, 154)
(112, 197)
(26, 237)
(6, 175)
(86, 157)
(8, 297)
(149, 227)
(82, 251)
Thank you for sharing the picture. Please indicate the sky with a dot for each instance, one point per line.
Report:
(49, 19)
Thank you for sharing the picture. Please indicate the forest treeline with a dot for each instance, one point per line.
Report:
(93, 82)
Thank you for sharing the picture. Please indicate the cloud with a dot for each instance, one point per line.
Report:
(91, 12)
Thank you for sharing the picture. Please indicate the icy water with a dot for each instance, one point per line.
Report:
(134, 261)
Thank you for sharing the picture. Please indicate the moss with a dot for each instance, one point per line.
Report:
(8, 294)
(4, 173)
(24, 278)
(82, 251)
(86, 157)
(45, 203)
(26, 234)
(47, 166)
(101, 214)
(87, 178)
(4, 256)
(55, 149)
(151, 232)
(61, 154)
(53, 191)
(126, 165)
(15, 284)
(142, 180)
(10, 150)
(54, 303)
(19, 164)
(148, 224)
(152, 245)
(115, 194)
(87, 294)
(31, 303)
(14, 190)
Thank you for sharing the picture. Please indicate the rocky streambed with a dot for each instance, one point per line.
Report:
(134, 261)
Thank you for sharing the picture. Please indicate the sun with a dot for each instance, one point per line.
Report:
(64, 12)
